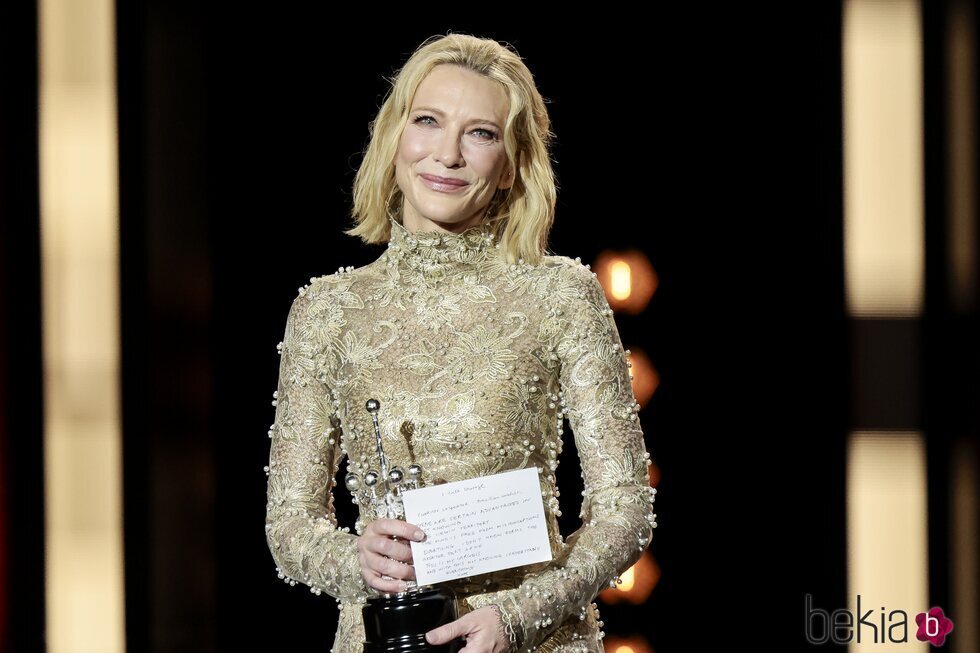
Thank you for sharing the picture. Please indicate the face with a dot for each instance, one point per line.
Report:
(455, 131)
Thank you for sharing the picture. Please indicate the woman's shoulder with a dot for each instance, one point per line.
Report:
(322, 283)
(575, 284)
(341, 280)
(569, 269)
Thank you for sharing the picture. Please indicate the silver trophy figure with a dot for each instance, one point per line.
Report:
(399, 622)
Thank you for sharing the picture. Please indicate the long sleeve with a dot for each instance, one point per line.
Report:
(617, 504)
(301, 526)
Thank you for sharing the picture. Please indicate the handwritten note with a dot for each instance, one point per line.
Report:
(478, 525)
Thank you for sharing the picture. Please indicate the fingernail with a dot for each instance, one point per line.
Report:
(428, 638)
(419, 535)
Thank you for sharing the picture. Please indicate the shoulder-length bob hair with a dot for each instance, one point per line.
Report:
(521, 214)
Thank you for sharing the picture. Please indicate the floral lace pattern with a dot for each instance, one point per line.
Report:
(477, 365)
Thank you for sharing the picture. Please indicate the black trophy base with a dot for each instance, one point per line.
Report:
(398, 623)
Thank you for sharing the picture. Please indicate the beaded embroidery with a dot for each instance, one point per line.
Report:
(477, 364)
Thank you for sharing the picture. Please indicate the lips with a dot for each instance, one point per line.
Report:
(445, 180)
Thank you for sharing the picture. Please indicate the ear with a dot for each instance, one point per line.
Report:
(508, 178)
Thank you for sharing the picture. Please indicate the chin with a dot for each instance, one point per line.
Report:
(442, 216)
(444, 221)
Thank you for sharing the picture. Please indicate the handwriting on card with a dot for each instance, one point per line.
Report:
(478, 525)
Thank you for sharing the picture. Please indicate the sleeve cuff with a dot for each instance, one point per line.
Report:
(508, 613)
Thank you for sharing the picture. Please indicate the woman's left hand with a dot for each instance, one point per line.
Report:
(482, 629)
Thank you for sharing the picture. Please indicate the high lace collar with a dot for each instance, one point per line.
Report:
(434, 250)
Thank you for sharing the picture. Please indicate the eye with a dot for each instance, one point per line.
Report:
(491, 134)
(488, 133)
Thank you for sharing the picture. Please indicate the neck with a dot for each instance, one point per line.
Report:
(416, 224)
(431, 251)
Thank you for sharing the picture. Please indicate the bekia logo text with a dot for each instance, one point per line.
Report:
(839, 627)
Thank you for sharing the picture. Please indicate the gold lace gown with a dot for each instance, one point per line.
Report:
(477, 363)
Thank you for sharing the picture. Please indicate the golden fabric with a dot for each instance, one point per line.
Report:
(476, 364)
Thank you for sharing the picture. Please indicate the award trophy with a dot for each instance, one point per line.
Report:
(398, 622)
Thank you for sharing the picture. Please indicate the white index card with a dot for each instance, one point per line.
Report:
(478, 525)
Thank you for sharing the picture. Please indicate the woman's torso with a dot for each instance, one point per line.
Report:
(461, 351)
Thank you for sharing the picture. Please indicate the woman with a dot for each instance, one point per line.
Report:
(477, 344)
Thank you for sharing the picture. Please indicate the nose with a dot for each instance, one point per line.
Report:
(447, 151)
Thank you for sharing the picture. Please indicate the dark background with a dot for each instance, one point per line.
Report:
(709, 139)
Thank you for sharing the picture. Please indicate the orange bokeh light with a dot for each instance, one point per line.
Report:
(644, 376)
(628, 279)
(632, 644)
(638, 582)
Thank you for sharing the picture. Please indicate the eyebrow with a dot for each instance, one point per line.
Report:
(434, 110)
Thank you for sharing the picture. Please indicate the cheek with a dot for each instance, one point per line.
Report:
(487, 162)
(412, 147)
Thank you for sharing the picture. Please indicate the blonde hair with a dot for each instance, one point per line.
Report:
(522, 214)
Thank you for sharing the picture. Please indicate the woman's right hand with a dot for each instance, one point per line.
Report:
(386, 562)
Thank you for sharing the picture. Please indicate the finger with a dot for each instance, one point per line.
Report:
(392, 548)
(383, 565)
(389, 526)
(384, 526)
(396, 527)
(475, 643)
(411, 532)
(387, 585)
(379, 579)
(384, 546)
(379, 528)
(448, 632)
